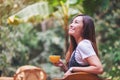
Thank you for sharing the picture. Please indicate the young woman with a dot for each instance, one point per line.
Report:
(82, 54)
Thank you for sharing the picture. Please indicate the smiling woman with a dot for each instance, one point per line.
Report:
(82, 55)
(76, 26)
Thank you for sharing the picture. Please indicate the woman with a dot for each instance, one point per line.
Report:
(82, 54)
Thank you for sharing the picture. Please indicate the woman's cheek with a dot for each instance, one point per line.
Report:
(70, 32)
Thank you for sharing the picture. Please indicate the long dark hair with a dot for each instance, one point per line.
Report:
(88, 33)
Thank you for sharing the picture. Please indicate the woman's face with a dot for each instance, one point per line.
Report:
(75, 28)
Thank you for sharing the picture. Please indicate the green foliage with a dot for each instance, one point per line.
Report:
(53, 42)
(33, 13)
(104, 5)
(54, 4)
(3, 62)
(52, 71)
(29, 44)
(108, 32)
(92, 6)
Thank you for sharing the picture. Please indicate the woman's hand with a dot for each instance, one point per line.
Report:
(68, 72)
(59, 64)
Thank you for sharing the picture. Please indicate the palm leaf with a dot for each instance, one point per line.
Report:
(32, 13)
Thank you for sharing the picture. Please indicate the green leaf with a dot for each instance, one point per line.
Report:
(90, 6)
(33, 13)
(105, 4)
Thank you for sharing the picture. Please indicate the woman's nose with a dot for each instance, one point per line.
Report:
(71, 26)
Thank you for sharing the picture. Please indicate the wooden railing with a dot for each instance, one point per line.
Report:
(81, 76)
(6, 78)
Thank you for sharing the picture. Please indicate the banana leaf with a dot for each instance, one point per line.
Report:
(32, 13)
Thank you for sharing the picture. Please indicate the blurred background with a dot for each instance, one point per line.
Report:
(31, 30)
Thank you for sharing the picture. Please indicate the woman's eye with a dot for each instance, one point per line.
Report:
(76, 21)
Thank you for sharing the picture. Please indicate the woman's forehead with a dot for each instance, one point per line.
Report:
(78, 18)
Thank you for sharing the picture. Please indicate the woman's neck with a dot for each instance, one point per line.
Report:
(78, 39)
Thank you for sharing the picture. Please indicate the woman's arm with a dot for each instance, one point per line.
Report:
(64, 68)
(61, 65)
(95, 66)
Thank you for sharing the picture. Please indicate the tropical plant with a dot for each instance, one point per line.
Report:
(31, 36)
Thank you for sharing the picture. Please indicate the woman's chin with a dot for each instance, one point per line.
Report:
(71, 33)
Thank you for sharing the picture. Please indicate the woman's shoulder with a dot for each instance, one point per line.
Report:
(85, 42)
(85, 48)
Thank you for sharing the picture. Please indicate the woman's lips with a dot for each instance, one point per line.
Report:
(71, 30)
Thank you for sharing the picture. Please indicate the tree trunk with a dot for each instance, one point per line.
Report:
(0, 73)
(66, 32)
